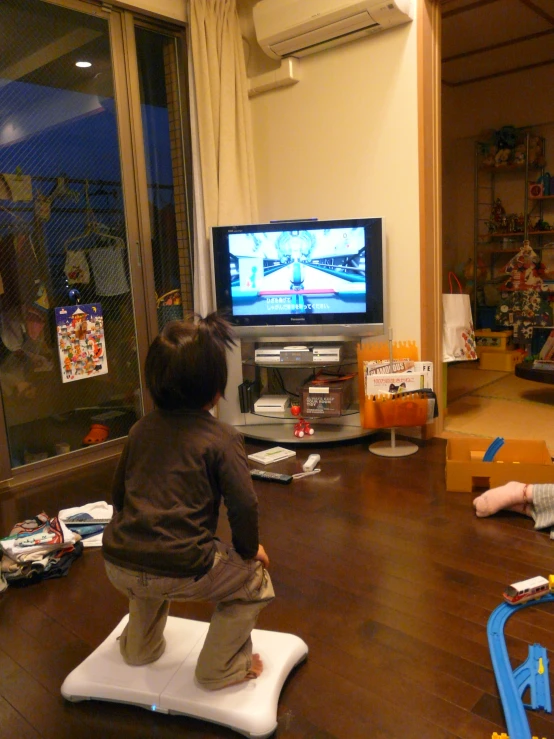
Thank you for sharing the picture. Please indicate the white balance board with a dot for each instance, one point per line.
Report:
(168, 685)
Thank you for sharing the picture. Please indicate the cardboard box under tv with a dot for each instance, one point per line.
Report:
(524, 461)
(327, 400)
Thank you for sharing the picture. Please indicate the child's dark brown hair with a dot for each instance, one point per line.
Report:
(186, 365)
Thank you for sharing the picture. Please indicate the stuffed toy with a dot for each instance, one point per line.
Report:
(502, 157)
(519, 154)
(506, 137)
(489, 155)
(536, 152)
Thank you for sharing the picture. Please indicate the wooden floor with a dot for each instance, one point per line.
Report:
(388, 578)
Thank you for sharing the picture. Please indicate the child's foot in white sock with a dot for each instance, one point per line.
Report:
(509, 495)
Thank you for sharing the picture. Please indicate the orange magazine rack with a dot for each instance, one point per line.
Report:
(389, 412)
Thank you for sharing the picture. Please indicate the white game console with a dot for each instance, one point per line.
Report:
(271, 404)
(327, 354)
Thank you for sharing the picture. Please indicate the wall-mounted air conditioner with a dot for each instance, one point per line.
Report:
(300, 27)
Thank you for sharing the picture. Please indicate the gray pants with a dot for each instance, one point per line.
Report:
(240, 588)
(542, 508)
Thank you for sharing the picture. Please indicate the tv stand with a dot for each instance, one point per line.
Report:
(272, 376)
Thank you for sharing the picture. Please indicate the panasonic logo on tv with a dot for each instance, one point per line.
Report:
(298, 320)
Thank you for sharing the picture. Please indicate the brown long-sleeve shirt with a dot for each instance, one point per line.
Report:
(174, 471)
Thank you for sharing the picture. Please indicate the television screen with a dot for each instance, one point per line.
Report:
(321, 277)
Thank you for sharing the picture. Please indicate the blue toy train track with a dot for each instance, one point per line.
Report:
(512, 684)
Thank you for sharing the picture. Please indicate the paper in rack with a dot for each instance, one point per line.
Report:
(416, 378)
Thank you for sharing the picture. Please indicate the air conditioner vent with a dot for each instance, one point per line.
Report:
(323, 33)
(300, 27)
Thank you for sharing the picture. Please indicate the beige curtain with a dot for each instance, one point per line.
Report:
(224, 181)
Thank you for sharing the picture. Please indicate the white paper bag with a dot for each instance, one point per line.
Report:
(458, 336)
(76, 268)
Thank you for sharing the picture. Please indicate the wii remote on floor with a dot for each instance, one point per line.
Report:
(311, 463)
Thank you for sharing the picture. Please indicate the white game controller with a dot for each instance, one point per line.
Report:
(311, 463)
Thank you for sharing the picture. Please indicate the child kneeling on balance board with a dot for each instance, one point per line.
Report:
(178, 465)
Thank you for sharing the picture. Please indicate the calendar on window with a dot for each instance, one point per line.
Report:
(81, 343)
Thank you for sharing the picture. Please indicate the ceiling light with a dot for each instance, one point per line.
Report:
(83, 64)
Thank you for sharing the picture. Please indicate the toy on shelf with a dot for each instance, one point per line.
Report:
(302, 428)
(97, 434)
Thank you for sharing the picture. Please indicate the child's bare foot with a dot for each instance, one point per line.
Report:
(512, 495)
(256, 668)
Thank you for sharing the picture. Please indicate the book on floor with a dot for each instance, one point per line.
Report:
(275, 454)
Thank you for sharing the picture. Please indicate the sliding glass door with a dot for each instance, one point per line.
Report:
(165, 136)
(93, 235)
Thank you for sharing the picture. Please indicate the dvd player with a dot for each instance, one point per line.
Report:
(290, 354)
(267, 355)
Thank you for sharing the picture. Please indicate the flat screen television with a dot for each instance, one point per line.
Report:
(301, 279)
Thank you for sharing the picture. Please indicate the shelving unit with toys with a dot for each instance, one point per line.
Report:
(513, 237)
(505, 210)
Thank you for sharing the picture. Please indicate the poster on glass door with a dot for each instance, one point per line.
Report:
(81, 345)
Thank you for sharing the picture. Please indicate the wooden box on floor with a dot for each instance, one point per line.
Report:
(524, 461)
(499, 361)
(492, 341)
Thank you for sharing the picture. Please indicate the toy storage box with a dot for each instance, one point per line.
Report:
(524, 461)
(497, 341)
(500, 361)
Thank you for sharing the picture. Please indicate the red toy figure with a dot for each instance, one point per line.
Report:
(302, 427)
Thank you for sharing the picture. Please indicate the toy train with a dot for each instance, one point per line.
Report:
(531, 589)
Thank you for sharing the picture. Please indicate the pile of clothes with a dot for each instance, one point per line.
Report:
(42, 548)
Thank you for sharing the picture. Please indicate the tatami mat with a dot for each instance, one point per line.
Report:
(466, 378)
(499, 404)
(518, 390)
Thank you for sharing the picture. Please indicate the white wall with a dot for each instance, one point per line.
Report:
(343, 142)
